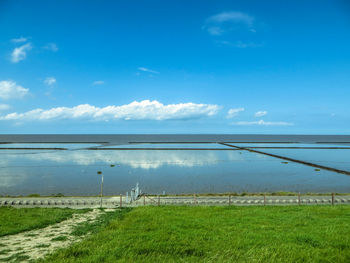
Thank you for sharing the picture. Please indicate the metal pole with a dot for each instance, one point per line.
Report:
(332, 198)
(229, 200)
(158, 200)
(194, 198)
(264, 199)
(121, 201)
(299, 201)
(144, 200)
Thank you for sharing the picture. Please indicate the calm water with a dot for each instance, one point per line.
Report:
(74, 171)
(126, 138)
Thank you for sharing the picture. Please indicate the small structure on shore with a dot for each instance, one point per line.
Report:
(135, 193)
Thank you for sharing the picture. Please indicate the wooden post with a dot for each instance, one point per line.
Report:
(144, 200)
(158, 200)
(299, 199)
(101, 189)
(332, 198)
(229, 200)
(264, 199)
(121, 201)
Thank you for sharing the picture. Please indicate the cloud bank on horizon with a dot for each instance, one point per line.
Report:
(143, 110)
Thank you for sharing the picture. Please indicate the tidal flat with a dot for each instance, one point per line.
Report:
(48, 165)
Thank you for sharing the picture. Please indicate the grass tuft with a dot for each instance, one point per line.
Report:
(5, 251)
(43, 245)
(18, 257)
(59, 238)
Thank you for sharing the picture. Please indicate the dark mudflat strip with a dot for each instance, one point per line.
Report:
(291, 159)
(317, 148)
(204, 142)
(163, 149)
(331, 142)
(1, 148)
(49, 142)
(261, 142)
(171, 142)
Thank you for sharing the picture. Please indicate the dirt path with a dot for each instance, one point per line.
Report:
(35, 244)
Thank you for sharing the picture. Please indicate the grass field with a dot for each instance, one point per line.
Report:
(13, 220)
(217, 234)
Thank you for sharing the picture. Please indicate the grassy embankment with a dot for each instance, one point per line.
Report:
(13, 220)
(217, 234)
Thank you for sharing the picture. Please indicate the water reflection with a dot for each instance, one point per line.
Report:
(134, 159)
(339, 159)
(74, 172)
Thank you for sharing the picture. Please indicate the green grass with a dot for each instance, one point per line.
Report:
(43, 245)
(60, 238)
(218, 234)
(5, 251)
(101, 221)
(18, 257)
(13, 220)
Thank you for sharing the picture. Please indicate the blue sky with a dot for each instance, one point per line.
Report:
(175, 67)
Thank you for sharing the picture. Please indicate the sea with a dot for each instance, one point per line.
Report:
(73, 165)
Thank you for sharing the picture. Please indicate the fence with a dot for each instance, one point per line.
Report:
(239, 200)
(158, 200)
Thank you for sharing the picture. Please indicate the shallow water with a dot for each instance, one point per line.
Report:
(171, 145)
(126, 138)
(48, 145)
(339, 159)
(74, 172)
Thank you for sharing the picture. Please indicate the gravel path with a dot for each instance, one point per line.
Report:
(35, 244)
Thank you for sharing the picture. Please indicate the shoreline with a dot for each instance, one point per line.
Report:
(233, 194)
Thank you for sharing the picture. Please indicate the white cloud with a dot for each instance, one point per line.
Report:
(264, 123)
(234, 112)
(143, 110)
(148, 70)
(50, 81)
(4, 107)
(260, 113)
(215, 30)
(20, 53)
(52, 47)
(19, 40)
(228, 21)
(98, 82)
(9, 90)
(239, 44)
(232, 16)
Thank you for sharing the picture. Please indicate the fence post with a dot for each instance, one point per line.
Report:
(144, 199)
(229, 200)
(299, 198)
(264, 199)
(121, 201)
(194, 199)
(332, 198)
(101, 190)
(158, 200)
